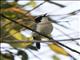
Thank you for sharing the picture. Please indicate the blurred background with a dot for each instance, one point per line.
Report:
(64, 15)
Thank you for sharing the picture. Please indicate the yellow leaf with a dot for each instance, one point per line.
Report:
(18, 36)
(32, 3)
(58, 49)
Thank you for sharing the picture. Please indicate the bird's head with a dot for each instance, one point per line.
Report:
(38, 19)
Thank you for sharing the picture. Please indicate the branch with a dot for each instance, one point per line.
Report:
(34, 54)
(34, 41)
(67, 15)
(60, 5)
(68, 36)
(41, 34)
(71, 14)
(54, 21)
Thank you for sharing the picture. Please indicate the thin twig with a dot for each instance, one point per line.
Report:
(68, 36)
(41, 34)
(34, 41)
(60, 5)
(67, 15)
(71, 14)
(34, 54)
(54, 21)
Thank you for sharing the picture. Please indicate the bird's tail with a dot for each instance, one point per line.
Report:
(38, 45)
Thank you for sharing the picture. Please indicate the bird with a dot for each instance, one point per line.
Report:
(44, 26)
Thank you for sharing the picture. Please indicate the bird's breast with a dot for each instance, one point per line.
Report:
(45, 28)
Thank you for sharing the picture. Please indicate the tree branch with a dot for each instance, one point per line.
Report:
(60, 5)
(68, 36)
(34, 41)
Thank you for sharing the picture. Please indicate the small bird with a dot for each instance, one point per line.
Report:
(44, 27)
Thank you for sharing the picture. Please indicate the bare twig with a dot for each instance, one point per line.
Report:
(71, 14)
(54, 21)
(34, 41)
(68, 36)
(60, 5)
(34, 54)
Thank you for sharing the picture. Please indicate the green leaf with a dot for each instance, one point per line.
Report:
(2, 0)
(23, 54)
(10, 14)
(6, 57)
(6, 5)
(56, 57)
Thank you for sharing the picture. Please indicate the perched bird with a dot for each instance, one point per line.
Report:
(44, 26)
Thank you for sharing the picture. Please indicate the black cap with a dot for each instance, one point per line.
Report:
(38, 19)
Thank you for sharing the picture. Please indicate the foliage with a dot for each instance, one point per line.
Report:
(6, 57)
(11, 31)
